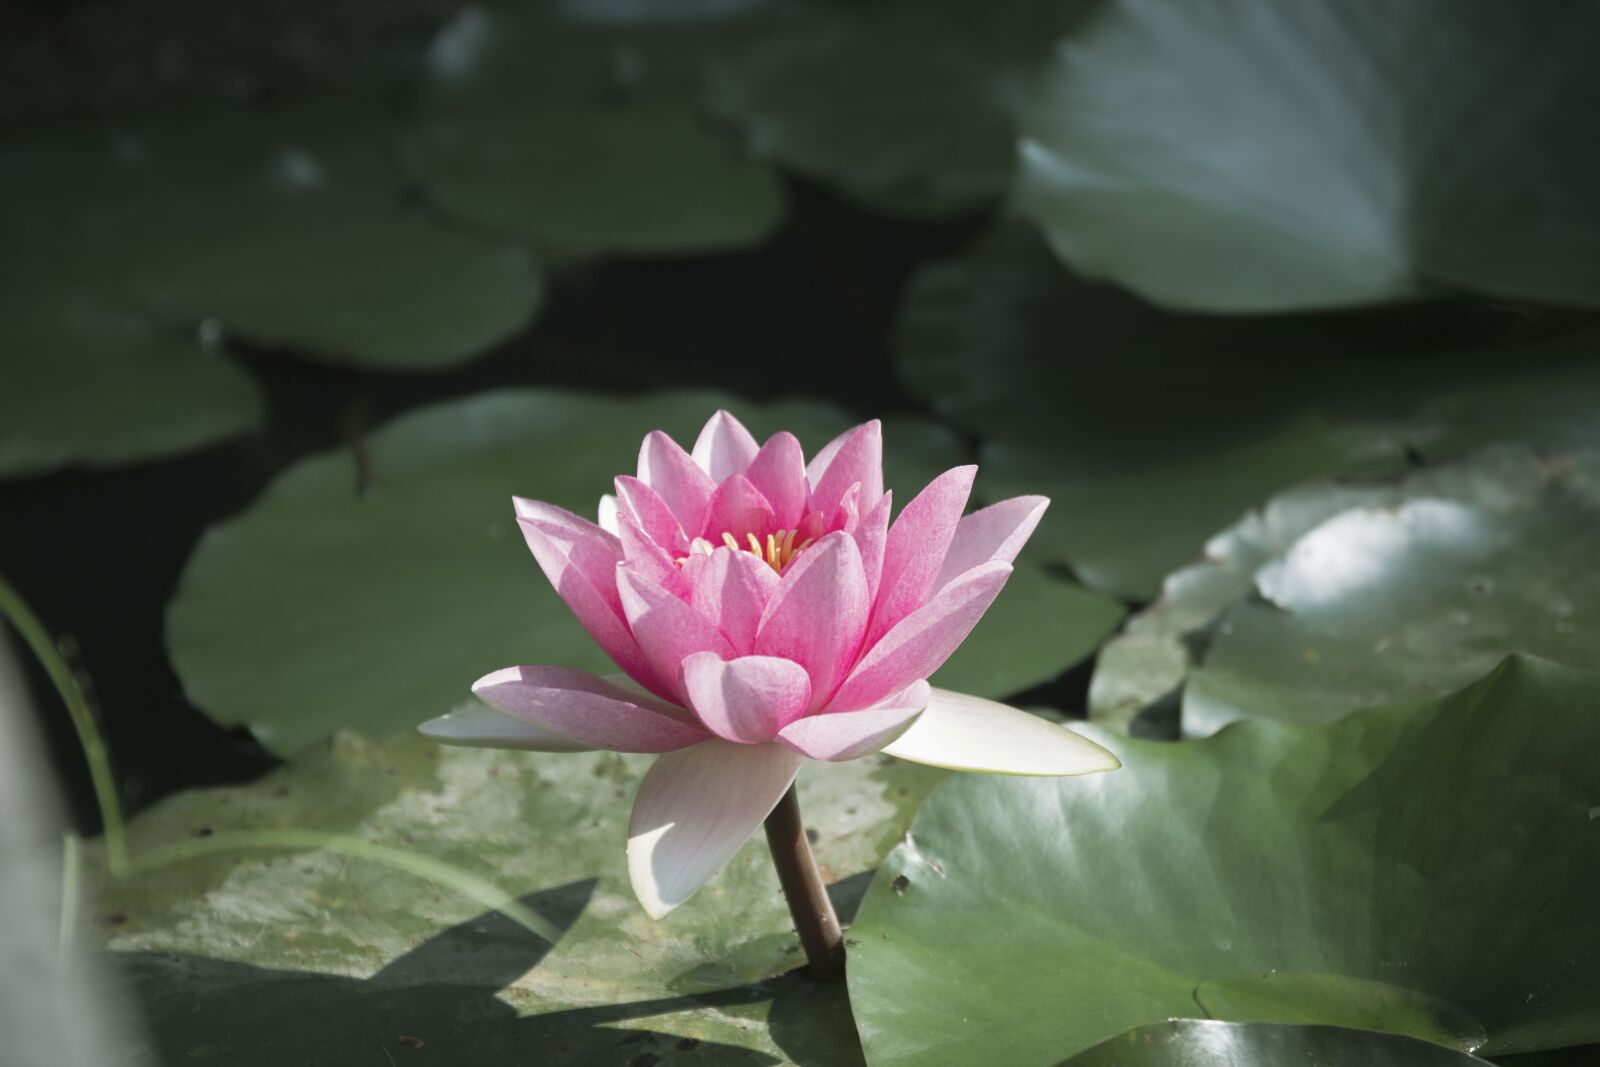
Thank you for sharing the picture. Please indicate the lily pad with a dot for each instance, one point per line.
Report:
(86, 380)
(905, 107)
(1241, 155)
(1411, 598)
(284, 226)
(1421, 870)
(308, 954)
(582, 136)
(1205, 1043)
(1149, 430)
(324, 606)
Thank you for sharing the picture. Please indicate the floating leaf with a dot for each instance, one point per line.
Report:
(287, 226)
(582, 138)
(906, 107)
(1244, 155)
(325, 607)
(1419, 869)
(1204, 1043)
(1412, 597)
(268, 957)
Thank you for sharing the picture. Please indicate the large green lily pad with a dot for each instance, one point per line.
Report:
(324, 606)
(1205, 1043)
(1411, 598)
(1422, 870)
(287, 225)
(580, 135)
(316, 955)
(1244, 155)
(904, 106)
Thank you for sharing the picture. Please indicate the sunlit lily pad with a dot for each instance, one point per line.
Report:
(1245, 155)
(1421, 870)
(245, 956)
(324, 607)
(1206, 1043)
(904, 106)
(580, 135)
(1411, 598)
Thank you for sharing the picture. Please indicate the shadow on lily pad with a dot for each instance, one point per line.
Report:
(440, 1004)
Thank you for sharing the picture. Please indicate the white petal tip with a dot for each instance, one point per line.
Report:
(967, 733)
(481, 727)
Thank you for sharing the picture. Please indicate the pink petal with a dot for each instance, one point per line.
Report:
(996, 532)
(737, 508)
(819, 613)
(724, 447)
(872, 535)
(732, 589)
(968, 733)
(646, 508)
(747, 699)
(649, 558)
(779, 471)
(593, 601)
(917, 545)
(588, 709)
(676, 479)
(695, 808)
(845, 735)
(923, 640)
(848, 514)
(855, 456)
(667, 629)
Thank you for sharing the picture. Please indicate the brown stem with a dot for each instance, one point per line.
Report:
(802, 885)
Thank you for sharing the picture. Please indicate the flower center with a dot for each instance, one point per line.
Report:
(778, 549)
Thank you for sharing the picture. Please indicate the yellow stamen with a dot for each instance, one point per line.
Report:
(727, 539)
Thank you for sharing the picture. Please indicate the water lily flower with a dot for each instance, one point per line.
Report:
(765, 611)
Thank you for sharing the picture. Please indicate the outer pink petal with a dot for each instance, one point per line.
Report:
(923, 640)
(738, 508)
(595, 603)
(724, 447)
(732, 589)
(588, 709)
(642, 504)
(996, 532)
(872, 535)
(676, 479)
(667, 629)
(819, 613)
(854, 457)
(917, 545)
(844, 735)
(747, 699)
(779, 471)
(695, 808)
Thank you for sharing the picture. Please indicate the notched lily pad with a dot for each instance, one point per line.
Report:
(310, 955)
(1419, 869)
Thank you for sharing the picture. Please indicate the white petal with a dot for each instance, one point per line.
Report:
(695, 808)
(479, 726)
(967, 733)
(607, 514)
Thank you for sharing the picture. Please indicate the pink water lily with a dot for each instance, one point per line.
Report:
(764, 611)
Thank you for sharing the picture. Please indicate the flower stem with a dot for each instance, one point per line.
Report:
(802, 885)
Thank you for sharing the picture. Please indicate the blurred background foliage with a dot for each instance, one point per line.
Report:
(1290, 309)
